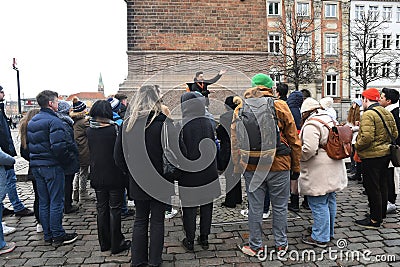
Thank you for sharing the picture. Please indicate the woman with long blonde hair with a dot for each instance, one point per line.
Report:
(23, 125)
(353, 120)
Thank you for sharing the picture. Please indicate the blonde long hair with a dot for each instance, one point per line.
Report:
(354, 114)
(23, 126)
(145, 100)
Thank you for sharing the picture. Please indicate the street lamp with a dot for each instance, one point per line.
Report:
(19, 89)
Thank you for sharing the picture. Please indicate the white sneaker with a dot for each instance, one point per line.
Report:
(391, 208)
(7, 229)
(266, 215)
(130, 203)
(171, 214)
(245, 213)
(39, 228)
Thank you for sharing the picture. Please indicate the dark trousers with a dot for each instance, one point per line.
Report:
(391, 187)
(69, 178)
(36, 201)
(142, 253)
(109, 203)
(375, 183)
(189, 220)
(233, 187)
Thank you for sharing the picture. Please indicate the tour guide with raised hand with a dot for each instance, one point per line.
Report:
(372, 146)
(275, 178)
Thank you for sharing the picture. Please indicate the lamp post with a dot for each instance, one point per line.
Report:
(19, 89)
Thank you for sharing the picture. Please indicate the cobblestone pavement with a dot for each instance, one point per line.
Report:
(352, 246)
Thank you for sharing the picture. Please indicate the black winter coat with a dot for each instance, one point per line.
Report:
(139, 153)
(104, 174)
(223, 134)
(196, 128)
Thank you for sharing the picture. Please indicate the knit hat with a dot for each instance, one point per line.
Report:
(64, 107)
(262, 79)
(326, 102)
(371, 94)
(309, 104)
(115, 104)
(357, 101)
(78, 106)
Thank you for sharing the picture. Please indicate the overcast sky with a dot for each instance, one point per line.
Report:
(62, 45)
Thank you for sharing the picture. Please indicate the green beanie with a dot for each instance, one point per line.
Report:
(262, 79)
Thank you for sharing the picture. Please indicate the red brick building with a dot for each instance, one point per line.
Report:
(168, 40)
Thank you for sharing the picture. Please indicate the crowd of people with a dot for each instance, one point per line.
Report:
(121, 146)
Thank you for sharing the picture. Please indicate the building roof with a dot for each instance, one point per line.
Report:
(87, 95)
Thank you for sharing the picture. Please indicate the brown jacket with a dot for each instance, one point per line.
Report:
(287, 127)
(80, 125)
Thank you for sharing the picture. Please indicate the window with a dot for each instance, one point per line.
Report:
(373, 12)
(398, 14)
(387, 13)
(373, 69)
(330, 10)
(274, 8)
(302, 9)
(397, 41)
(397, 70)
(331, 85)
(358, 69)
(331, 45)
(386, 41)
(303, 46)
(373, 41)
(359, 12)
(273, 43)
(385, 70)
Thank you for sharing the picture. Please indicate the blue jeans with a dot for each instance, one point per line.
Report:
(12, 191)
(3, 192)
(323, 210)
(257, 185)
(50, 186)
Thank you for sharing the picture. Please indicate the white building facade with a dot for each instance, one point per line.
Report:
(388, 40)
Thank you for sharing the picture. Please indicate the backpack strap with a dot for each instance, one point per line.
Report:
(384, 124)
(324, 123)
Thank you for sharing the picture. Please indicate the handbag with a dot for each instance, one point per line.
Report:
(394, 148)
(171, 169)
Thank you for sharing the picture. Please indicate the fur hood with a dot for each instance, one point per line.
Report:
(77, 115)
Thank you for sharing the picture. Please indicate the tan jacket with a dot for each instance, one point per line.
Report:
(319, 173)
(373, 140)
(287, 127)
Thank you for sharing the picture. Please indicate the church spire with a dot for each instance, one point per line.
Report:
(100, 87)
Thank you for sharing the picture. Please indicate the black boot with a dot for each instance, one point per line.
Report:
(203, 241)
(294, 203)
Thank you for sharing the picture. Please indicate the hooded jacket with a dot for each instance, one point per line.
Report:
(287, 128)
(294, 102)
(81, 123)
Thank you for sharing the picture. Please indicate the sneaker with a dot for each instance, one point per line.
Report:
(391, 208)
(309, 240)
(65, 240)
(25, 212)
(39, 228)
(282, 250)
(48, 242)
(245, 213)
(10, 246)
(7, 229)
(189, 246)
(367, 223)
(170, 214)
(203, 241)
(71, 209)
(246, 249)
(266, 215)
(7, 212)
(130, 203)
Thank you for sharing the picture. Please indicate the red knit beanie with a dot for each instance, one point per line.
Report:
(371, 94)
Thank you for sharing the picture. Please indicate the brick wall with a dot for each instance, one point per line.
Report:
(209, 25)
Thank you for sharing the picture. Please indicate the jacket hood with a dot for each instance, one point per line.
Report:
(295, 99)
(193, 104)
(77, 115)
(258, 91)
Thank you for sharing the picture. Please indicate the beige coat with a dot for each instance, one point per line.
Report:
(319, 173)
